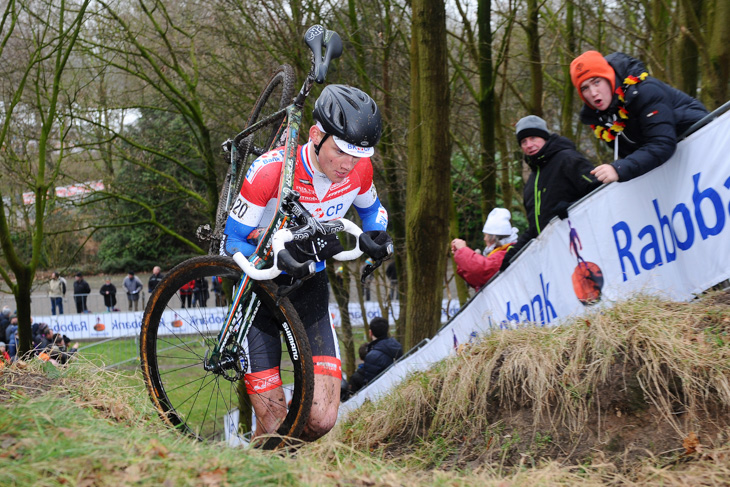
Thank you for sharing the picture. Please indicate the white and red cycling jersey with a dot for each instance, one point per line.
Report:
(255, 206)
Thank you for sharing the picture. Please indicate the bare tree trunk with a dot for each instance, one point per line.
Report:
(685, 72)
(505, 162)
(394, 184)
(486, 108)
(462, 289)
(533, 45)
(712, 52)
(567, 115)
(719, 53)
(656, 40)
(427, 205)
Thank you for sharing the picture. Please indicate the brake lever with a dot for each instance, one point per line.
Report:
(284, 291)
(369, 269)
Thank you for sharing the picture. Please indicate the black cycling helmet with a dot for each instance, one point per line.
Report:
(349, 114)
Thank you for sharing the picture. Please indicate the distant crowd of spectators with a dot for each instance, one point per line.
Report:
(47, 345)
(132, 285)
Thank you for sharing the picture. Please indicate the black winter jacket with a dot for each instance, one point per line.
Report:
(154, 281)
(657, 115)
(110, 299)
(560, 176)
(382, 352)
(81, 287)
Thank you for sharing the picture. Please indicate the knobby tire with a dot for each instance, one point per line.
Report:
(173, 347)
(276, 95)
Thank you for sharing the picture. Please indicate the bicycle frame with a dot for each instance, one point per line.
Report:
(243, 297)
(237, 326)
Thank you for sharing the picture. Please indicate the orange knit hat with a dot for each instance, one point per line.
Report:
(591, 64)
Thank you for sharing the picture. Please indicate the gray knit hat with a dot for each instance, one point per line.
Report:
(531, 125)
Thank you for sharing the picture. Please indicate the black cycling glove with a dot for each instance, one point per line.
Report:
(325, 246)
(561, 209)
(318, 248)
(380, 237)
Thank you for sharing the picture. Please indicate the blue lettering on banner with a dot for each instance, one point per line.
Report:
(710, 222)
(125, 325)
(71, 327)
(539, 305)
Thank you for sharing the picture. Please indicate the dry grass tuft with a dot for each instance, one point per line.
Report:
(88, 385)
(627, 383)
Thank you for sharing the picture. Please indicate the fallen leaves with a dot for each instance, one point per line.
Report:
(157, 449)
(691, 444)
(213, 478)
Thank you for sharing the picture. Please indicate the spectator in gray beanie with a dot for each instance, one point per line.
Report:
(558, 173)
(531, 126)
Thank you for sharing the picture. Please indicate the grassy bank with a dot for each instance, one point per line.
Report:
(638, 395)
(646, 383)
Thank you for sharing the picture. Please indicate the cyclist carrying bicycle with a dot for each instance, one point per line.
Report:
(333, 171)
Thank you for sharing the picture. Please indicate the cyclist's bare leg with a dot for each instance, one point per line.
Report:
(270, 407)
(323, 414)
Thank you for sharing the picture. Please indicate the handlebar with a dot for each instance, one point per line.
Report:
(283, 261)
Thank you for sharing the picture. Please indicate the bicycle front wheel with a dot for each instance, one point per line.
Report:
(176, 345)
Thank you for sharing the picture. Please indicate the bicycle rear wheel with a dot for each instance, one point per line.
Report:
(277, 94)
(175, 343)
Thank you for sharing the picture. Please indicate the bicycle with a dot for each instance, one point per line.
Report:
(193, 360)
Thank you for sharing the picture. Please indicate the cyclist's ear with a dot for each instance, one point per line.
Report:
(315, 135)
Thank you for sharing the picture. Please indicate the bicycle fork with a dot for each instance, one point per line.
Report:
(229, 358)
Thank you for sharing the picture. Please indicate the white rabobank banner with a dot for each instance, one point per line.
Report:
(666, 233)
(100, 326)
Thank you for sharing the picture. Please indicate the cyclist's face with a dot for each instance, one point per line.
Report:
(332, 161)
(597, 92)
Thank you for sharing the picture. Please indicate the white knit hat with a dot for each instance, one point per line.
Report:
(498, 222)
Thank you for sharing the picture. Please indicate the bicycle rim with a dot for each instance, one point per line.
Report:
(174, 342)
(276, 95)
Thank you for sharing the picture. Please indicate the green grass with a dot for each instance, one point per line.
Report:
(199, 398)
(82, 425)
(87, 431)
(122, 351)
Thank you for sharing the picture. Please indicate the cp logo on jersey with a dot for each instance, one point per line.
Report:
(333, 210)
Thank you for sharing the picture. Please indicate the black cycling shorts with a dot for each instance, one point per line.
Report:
(311, 301)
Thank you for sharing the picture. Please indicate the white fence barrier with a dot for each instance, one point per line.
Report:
(666, 233)
(99, 326)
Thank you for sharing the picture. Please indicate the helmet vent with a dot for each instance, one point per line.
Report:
(351, 102)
